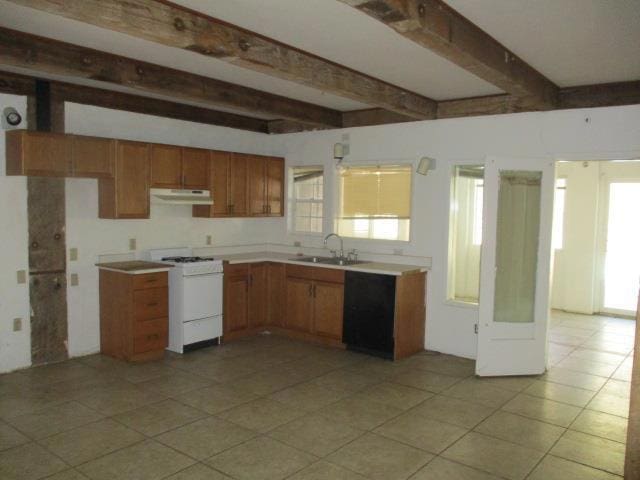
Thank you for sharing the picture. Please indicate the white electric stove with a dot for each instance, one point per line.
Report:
(195, 298)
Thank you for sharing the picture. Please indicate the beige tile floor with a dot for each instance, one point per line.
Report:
(272, 408)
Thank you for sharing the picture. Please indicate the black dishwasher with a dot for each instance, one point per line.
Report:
(369, 310)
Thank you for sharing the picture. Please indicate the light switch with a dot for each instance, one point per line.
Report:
(132, 244)
(17, 324)
(209, 239)
(73, 254)
(297, 243)
(22, 276)
(75, 281)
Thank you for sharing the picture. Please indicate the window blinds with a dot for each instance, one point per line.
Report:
(378, 191)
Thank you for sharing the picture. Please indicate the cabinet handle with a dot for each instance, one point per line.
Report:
(152, 280)
(314, 290)
(155, 336)
(310, 290)
(250, 280)
(153, 304)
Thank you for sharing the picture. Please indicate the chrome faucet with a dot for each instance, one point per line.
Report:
(341, 243)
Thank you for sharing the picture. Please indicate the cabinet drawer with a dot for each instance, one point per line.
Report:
(151, 303)
(150, 335)
(328, 275)
(150, 280)
(299, 271)
(202, 329)
(236, 269)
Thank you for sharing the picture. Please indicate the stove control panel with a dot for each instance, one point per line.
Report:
(201, 268)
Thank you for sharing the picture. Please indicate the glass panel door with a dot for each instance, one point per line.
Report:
(515, 267)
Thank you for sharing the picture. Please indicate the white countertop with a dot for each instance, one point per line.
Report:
(368, 267)
(135, 267)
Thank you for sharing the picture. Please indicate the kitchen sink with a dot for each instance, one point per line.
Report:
(311, 259)
(343, 262)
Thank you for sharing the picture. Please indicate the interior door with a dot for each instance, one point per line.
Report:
(515, 267)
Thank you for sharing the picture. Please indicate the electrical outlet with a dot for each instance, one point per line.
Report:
(17, 324)
(209, 239)
(398, 251)
(73, 254)
(75, 280)
(297, 243)
(132, 244)
(21, 276)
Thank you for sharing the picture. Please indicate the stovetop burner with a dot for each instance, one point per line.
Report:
(186, 259)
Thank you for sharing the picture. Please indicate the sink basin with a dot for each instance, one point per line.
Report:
(311, 259)
(342, 261)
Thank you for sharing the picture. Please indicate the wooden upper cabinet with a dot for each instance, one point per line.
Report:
(275, 186)
(265, 186)
(38, 154)
(238, 165)
(218, 166)
(166, 166)
(256, 185)
(92, 157)
(127, 194)
(195, 168)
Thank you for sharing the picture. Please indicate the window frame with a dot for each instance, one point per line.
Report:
(450, 290)
(292, 200)
(338, 197)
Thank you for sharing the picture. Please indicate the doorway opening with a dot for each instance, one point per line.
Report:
(596, 268)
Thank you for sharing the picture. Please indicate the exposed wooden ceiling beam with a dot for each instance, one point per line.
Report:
(65, 92)
(39, 54)
(602, 95)
(438, 27)
(176, 26)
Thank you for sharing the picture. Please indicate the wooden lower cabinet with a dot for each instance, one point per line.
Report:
(258, 294)
(236, 299)
(328, 304)
(134, 312)
(374, 313)
(299, 304)
(277, 296)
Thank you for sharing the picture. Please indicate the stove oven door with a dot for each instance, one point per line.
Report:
(202, 296)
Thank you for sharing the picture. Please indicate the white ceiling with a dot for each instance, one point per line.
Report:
(563, 39)
(572, 42)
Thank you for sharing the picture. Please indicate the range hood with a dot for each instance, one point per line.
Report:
(169, 196)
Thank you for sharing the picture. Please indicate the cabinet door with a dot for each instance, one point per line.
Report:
(195, 168)
(275, 186)
(238, 184)
(256, 186)
(328, 305)
(276, 293)
(219, 183)
(40, 154)
(299, 304)
(166, 166)
(258, 299)
(132, 180)
(92, 157)
(236, 301)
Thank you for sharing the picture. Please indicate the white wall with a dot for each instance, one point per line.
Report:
(577, 274)
(15, 347)
(610, 133)
(590, 133)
